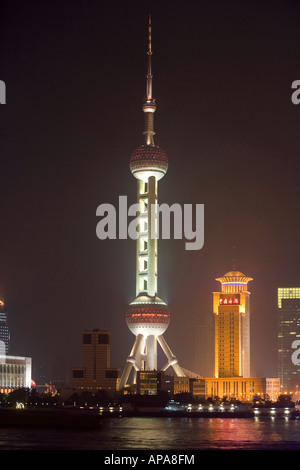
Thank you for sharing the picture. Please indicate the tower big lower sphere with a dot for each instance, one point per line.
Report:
(148, 316)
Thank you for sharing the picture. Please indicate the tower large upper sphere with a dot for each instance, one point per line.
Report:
(148, 160)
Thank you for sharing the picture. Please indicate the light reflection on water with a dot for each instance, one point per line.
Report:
(161, 434)
(209, 433)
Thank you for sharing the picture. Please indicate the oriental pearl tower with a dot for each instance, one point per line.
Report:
(148, 316)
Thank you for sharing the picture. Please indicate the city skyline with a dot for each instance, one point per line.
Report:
(75, 83)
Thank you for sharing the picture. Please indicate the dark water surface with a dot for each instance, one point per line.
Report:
(137, 433)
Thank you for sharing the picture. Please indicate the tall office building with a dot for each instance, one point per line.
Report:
(288, 332)
(95, 373)
(4, 330)
(231, 309)
(148, 316)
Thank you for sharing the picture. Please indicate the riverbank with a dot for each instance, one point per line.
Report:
(85, 417)
(49, 417)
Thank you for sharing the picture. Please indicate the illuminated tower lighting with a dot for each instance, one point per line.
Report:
(232, 326)
(147, 316)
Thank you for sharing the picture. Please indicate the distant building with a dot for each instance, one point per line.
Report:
(241, 388)
(15, 372)
(232, 379)
(273, 388)
(231, 309)
(149, 382)
(4, 328)
(95, 373)
(180, 385)
(288, 326)
(197, 387)
(152, 382)
(238, 388)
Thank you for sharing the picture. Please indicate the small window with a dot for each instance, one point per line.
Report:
(103, 338)
(87, 338)
(77, 374)
(111, 374)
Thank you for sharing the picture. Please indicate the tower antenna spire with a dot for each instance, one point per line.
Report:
(149, 36)
(149, 106)
(149, 52)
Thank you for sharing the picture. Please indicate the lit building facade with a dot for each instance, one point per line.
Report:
(273, 389)
(231, 309)
(197, 387)
(148, 316)
(241, 388)
(148, 382)
(288, 326)
(4, 330)
(95, 373)
(152, 382)
(15, 372)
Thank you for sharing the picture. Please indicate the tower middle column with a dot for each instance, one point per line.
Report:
(152, 240)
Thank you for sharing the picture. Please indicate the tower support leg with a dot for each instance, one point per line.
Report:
(135, 356)
(151, 360)
(172, 360)
(143, 356)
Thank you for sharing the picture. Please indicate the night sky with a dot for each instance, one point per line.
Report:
(75, 74)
